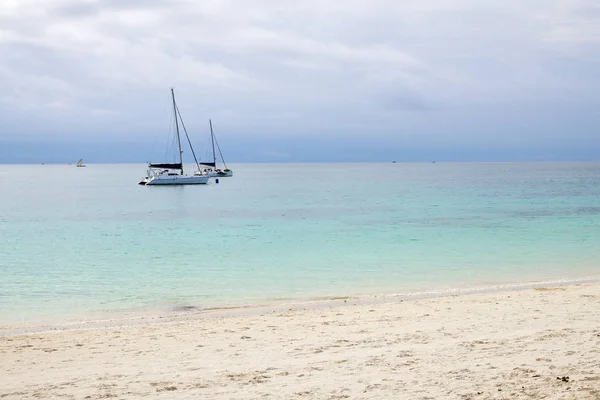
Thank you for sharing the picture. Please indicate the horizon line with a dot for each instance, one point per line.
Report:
(323, 162)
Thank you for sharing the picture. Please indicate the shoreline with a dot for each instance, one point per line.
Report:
(184, 313)
(523, 343)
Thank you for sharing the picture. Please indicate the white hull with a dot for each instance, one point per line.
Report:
(175, 180)
(221, 174)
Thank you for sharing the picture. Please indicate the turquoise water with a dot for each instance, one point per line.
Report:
(80, 242)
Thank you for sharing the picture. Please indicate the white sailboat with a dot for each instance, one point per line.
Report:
(172, 173)
(213, 171)
(80, 163)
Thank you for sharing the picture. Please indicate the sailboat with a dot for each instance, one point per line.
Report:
(213, 171)
(172, 173)
(80, 163)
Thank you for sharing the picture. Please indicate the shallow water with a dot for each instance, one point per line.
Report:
(78, 242)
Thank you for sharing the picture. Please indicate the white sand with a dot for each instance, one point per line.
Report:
(507, 345)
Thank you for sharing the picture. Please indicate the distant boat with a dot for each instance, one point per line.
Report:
(213, 171)
(80, 163)
(172, 173)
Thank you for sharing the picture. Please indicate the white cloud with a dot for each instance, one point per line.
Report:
(274, 61)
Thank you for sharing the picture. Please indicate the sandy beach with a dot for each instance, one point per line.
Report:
(538, 343)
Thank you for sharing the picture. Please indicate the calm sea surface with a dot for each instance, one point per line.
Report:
(80, 242)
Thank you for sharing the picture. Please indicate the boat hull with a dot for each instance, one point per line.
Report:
(175, 180)
(220, 174)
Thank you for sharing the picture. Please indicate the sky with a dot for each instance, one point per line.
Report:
(292, 81)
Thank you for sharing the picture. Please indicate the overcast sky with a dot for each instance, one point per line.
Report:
(301, 80)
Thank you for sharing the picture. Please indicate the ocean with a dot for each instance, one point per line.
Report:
(84, 243)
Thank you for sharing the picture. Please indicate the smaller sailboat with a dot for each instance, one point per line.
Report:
(80, 163)
(172, 173)
(213, 171)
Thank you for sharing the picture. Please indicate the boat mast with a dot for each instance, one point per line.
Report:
(212, 138)
(177, 129)
(188, 139)
(218, 147)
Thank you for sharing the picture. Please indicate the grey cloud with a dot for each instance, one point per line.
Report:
(77, 10)
(291, 67)
(135, 4)
(71, 9)
(591, 11)
(403, 100)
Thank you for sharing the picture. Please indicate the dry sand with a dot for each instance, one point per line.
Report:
(541, 343)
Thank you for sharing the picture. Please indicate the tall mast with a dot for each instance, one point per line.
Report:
(212, 138)
(215, 141)
(177, 129)
(188, 139)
